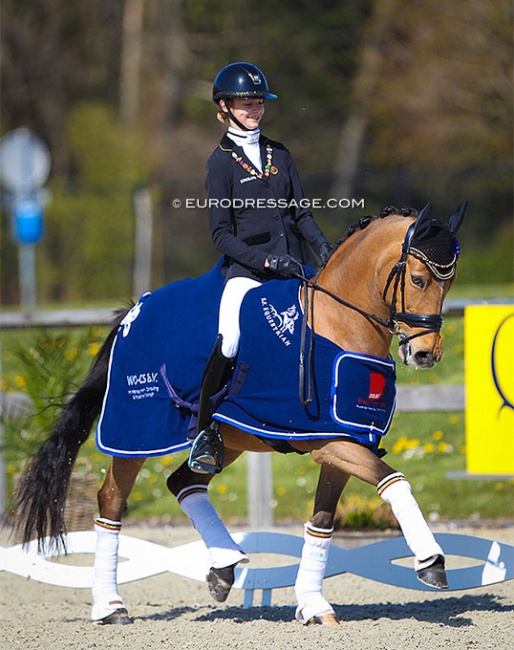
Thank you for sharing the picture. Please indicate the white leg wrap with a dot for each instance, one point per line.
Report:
(309, 581)
(396, 491)
(106, 598)
(223, 551)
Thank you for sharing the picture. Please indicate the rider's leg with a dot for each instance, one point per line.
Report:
(206, 454)
(207, 451)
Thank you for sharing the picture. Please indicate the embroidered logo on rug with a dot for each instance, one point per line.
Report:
(143, 385)
(282, 323)
(377, 383)
(132, 315)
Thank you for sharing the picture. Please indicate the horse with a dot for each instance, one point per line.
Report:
(387, 277)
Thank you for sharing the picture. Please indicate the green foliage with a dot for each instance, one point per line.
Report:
(358, 512)
(90, 232)
(492, 264)
(45, 370)
(437, 121)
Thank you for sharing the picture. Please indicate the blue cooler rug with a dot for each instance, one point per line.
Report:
(163, 344)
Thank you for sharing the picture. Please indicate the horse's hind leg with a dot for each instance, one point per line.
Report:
(190, 490)
(312, 606)
(108, 605)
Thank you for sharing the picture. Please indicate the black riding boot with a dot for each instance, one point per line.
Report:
(206, 456)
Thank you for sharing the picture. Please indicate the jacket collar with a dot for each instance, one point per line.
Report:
(226, 144)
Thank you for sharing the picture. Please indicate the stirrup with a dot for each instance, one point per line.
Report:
(207, 453)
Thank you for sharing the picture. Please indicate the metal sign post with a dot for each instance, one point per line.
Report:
(24, 168)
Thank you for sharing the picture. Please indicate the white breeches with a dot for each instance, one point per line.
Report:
(228, 326)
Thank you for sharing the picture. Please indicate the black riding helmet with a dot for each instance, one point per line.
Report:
(242, 80)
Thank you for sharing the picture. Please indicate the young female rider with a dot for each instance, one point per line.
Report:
(258, 220)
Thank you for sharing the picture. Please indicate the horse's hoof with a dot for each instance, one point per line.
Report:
(434, 575)
(119, 617)
(220, 581)
(325, 618)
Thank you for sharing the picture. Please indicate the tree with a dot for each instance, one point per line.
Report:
(364, 86)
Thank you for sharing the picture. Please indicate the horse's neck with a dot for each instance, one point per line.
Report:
(357, 274)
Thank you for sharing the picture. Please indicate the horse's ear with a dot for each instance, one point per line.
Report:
(455, 220)
(423, 221)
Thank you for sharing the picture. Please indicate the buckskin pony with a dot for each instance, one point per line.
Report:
(313, 375)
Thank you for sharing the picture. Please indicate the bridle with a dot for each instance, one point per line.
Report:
(428, 323)
(432, 323)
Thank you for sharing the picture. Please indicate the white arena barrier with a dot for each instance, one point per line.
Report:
(375, 561)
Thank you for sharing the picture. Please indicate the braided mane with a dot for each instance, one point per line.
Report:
(367, 219)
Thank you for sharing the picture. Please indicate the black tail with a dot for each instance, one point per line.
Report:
(40, 496)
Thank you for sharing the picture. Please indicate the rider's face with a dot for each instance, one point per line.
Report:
(248, 111)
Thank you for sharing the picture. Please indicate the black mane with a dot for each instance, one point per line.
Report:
(367, 219)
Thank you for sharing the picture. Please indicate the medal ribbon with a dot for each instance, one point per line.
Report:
(253, 172)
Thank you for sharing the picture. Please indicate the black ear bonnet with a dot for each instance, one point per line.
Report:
(434, 242)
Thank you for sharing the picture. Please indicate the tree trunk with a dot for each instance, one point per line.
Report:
(354, 129)
(131, 62)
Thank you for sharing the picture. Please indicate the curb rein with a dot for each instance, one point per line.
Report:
(430, 323)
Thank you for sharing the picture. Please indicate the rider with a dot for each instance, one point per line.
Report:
(258, 221)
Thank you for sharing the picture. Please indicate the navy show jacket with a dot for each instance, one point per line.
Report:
(251, 218)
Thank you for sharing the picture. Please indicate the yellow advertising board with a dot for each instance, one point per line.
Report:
(489, 378)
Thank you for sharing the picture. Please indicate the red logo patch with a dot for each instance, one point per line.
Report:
(377, 383)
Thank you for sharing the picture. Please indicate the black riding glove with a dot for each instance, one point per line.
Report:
(284, 265)
(325, 251)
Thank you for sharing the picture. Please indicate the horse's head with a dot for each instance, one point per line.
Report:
(418, 283)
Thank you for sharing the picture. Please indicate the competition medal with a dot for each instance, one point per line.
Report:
(268, 169)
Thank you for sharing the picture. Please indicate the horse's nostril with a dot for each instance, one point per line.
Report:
(424, 358)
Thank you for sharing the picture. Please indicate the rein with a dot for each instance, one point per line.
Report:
(431, 323)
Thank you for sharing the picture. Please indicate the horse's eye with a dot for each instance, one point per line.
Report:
(418, 281)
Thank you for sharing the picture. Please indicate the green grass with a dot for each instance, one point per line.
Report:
(483, 291)
(425, 446)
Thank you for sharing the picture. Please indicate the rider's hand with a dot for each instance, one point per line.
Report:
(284, 265)
(325, 251)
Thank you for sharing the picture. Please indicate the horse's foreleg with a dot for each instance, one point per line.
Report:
(190, 490)
(429, 557)
(312, 606)
(108, 605)
(395, 490)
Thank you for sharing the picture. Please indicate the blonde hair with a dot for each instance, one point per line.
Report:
(222, 116)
